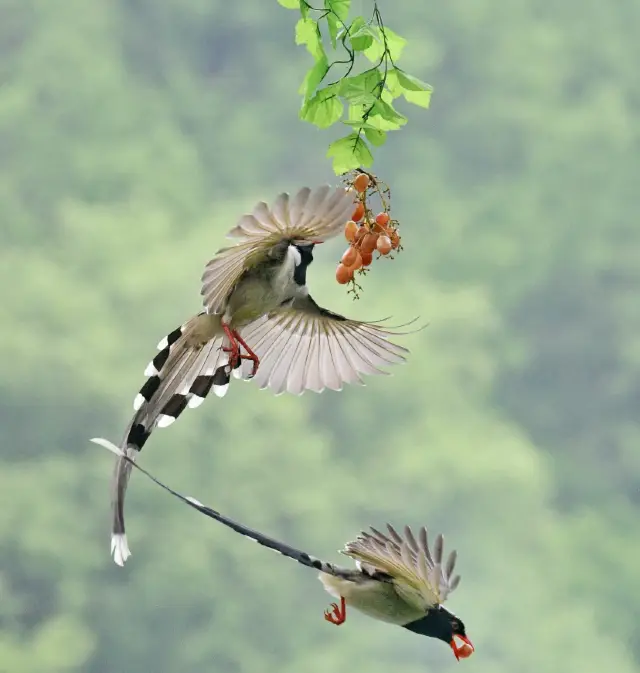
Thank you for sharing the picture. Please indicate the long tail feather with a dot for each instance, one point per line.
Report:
(290, 552)
(190, 363)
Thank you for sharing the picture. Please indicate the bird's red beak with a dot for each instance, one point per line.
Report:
(464, 650)
(317, 242)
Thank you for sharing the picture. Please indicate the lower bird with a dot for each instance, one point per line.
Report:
(259, 322)
(398, 579)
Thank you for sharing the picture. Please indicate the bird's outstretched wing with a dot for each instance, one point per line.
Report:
(303, 346)
(290, 552)
(311, 215)
(419, 574)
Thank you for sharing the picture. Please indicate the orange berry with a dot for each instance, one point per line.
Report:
(357, 262)
(349, 257)
(361, 183)
(350, 230)
(367, 258)
(358, 213)
(465, 651)
(382, 219)
(343, 274)
(369, 242)
(384, 245)
(360, 234)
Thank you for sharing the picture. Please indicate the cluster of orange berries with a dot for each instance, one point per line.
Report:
(367, 233)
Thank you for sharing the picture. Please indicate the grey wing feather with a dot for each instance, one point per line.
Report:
(419, 573)
(305, 347)
(312, 215)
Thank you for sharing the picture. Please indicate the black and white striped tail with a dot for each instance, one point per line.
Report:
(189, 374)
(290, 552)
(180, 376)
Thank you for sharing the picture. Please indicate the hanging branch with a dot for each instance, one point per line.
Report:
(362, 101)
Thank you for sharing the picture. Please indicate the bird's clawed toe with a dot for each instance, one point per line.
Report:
(256, 363)
(337, 614)
(250, 355)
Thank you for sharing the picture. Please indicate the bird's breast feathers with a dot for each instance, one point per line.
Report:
(263, 289)
(374, 598)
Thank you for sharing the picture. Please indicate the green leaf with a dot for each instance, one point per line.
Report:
(361, 35)
(308, 33)
(304, 9)
(356, 111)
(358, 123)
(339, 7)
(348, 153)
(392, 84)
(400, 83)
(409, 82)
(395, 45)
(385, 117)
(414, 90)
(334, 26)
(362, 89)
(314, 76)
(339, 13)
(324, 109)
(373, 134)
(421, 98)
(375, 137)
(290, 4)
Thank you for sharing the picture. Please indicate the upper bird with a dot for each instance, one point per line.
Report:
(259, 322)
(398, 579)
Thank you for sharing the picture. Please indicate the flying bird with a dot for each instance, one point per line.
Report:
(398, 579)
(260, 323)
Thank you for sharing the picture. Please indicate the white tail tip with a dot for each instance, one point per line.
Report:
(220, 391)
(120, 548)
(165, 421)
(195, 401)
(150, 370)
(110, 446)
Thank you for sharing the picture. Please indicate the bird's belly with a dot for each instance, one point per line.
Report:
(252, 298)
(373, 598)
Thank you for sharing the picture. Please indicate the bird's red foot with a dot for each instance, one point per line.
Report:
(234, 355)
(233, 348)
(338, 614)
(250, 354)
(235, 341)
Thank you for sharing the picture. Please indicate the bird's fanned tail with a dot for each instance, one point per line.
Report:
(290, 552)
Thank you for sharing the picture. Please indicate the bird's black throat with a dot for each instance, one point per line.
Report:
(300, 270)
(437, 623)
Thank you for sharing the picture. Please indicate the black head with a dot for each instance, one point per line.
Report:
(306, 257)
(441, 624)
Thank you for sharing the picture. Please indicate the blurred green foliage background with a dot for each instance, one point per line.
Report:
(133, 133)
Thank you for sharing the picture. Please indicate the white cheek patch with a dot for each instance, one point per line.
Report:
(294, 255)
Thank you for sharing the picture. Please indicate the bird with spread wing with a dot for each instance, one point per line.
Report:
(260, 323)
(398, 579)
